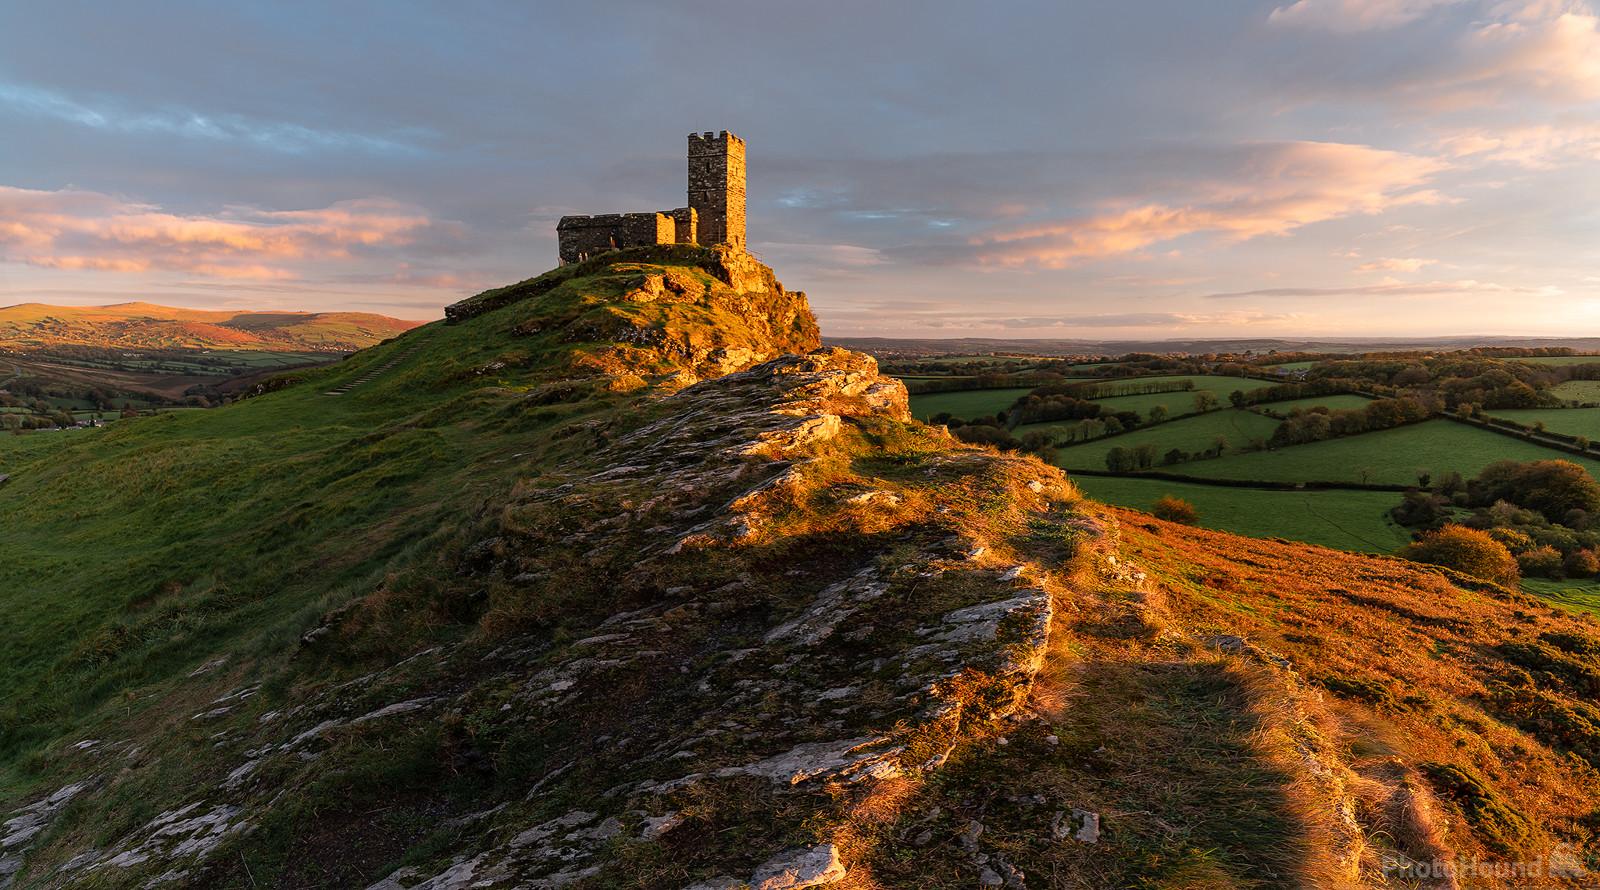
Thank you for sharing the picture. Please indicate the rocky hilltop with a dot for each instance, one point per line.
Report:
(719, 614)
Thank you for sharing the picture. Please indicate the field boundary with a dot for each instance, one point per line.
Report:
(1314, 485)
(1548, 439)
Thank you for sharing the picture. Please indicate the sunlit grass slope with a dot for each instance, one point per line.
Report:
(128, 553)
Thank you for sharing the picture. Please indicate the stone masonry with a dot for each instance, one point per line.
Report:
(715, 214)
(716, 187)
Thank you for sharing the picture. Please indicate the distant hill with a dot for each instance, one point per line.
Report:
(33, 326)
(912, 346)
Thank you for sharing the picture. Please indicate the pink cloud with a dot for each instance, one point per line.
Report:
(1279, 188)
(80, 230)
(1536, 147)
(1541, 48)
(1396, 264)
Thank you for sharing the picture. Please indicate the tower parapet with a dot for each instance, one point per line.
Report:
(716, 186)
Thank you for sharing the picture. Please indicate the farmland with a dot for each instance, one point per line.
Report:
(1392, 457)
(967, 403)
(1244, 490)
(1571, 421)
(1343, 520)
(1191, 434)
(1336, 402)
(1578, 391)
(1560, 361)
(1180, 401)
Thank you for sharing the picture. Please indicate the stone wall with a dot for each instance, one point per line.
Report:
(687, 222)
(716, 187)
(582, 237)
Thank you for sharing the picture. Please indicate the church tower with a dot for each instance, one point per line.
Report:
(716, 187)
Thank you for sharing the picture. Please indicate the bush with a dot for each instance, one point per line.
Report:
(1582, 564)
(1540, 562)
(1174, 509)
(1468, 551)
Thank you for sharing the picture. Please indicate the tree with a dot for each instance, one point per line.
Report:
(1120, 460)
(1040, 443)
(1158, 414)
(1467, 550)
(1205, 401)
(1144, 456)
(1174, 509)
(1552, 487)
(1175, 456)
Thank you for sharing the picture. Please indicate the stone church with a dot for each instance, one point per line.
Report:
(715, 214)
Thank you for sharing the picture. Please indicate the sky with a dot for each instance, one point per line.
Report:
(1063, 169)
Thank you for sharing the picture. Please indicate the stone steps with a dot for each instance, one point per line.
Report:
(373, 373)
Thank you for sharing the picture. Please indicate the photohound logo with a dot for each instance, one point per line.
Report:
(1563, 862)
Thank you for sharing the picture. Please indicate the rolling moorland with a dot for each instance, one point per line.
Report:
(64, 365)
(616, 579)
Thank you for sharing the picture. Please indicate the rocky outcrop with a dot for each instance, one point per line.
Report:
(750, 623)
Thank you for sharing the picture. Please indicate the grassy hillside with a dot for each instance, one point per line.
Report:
(156, 540)
(582, 591)
(35, 326)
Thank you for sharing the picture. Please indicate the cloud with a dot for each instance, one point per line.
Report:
(1423, 289)
(278, 136)
(949, 321)
(1534, 48)
(1278, 187)
(1395, 264)
(89, 231)
(1353, 15)
(1535, 147)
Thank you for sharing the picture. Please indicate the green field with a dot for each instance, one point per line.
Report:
(1572, 421)
(1578, 391)
(966, 404)
(1294, 366)
(1344, 520)
(1390, 457)
(1180, 401)
(1190, 434)
(1559, 361)
(1581, 595)
(1337, 401)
